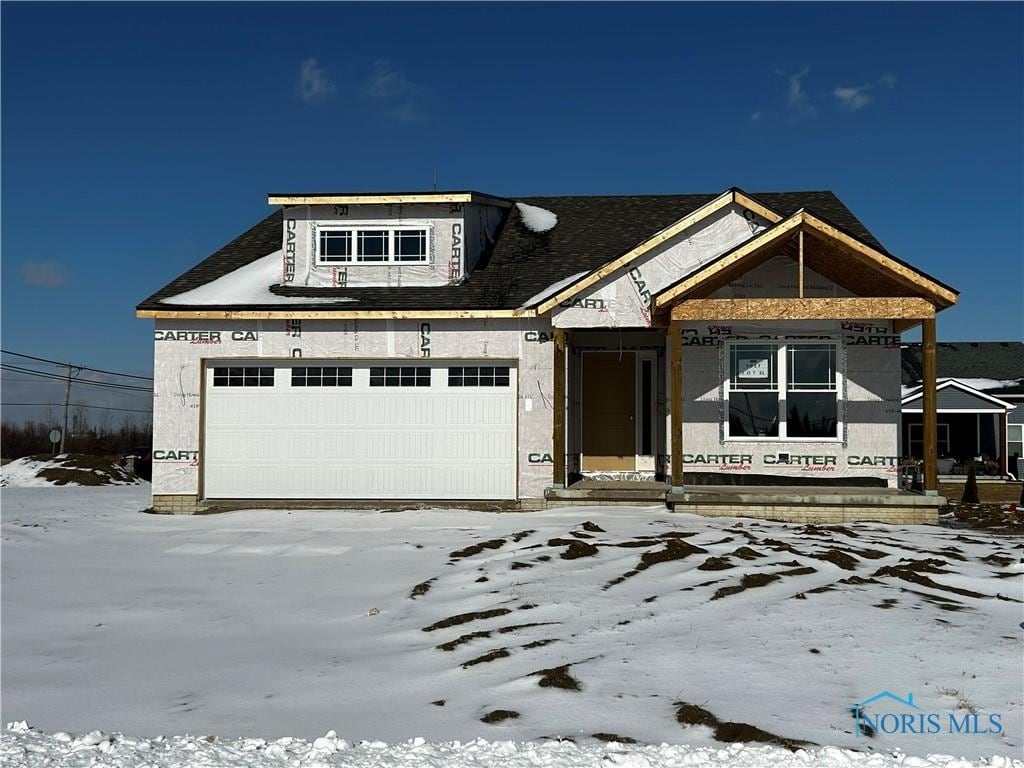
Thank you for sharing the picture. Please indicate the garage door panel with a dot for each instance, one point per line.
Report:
(358, 441)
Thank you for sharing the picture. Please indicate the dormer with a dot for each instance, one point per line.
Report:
(337, 240)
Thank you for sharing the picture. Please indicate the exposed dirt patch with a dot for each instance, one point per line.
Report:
(557, 677)
(476, 549)
(999, 559)
(827, 532)
(517, 537)
(592, 527)
(580, 535)
(518, 565)
(451, 645)
(612, 737)
(635, 544)
(749, 581)
(83, 469)
(538, 643)
(482, 579)
(889, 602)
(746, 553)
(438, 703)
(465, 618)
(674, 549)
(715, 564)
(844, 560)
(691, 714)
(498, 653)
(906, 573)
(421, 589)
(498, 716)
(574, 548)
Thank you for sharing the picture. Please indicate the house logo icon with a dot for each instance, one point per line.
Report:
(858, 708)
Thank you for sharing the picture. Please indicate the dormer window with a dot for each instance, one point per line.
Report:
(373, 244)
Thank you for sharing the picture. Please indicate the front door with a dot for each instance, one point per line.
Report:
(609, 404)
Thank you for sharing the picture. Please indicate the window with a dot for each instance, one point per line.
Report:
(783, 391)
(262, 376)
(400, 376)
(327, 376)
(374, 245)
(478, 376)
(1014, 443)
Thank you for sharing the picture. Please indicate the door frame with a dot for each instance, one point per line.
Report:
(641, 462)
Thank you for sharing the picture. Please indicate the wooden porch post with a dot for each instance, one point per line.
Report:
(558, 432)
(1001, 446)
(675, 332)
(928, 404)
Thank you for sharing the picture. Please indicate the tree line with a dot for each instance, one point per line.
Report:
(99, 436)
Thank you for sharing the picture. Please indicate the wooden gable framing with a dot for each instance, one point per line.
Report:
(708, 209)
(832, 253)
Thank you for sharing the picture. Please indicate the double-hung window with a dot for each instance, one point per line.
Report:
(783, 390)
(373, 244)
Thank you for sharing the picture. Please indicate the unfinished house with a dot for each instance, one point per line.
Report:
(721, 353)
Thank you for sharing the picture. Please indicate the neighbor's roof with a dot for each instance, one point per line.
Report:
(591, 231)
(988, 366)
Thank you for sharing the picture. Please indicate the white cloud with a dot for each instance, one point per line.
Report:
(797, 100)
(856, 97)
(401, 98)
(43, 274)
(853, 98)
(314, 85)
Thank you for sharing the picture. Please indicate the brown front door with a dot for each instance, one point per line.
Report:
(609, 402)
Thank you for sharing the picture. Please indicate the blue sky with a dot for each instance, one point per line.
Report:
(139, 138)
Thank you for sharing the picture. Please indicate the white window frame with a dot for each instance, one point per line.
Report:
(782, 347)
(355, 258)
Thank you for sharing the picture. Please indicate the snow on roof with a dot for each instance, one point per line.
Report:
(552, 289)
(248, 285)
(537, 219)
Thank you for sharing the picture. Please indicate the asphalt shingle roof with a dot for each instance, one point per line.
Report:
(591, 231)
(997, 360)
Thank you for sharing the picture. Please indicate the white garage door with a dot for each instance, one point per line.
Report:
(360, 430)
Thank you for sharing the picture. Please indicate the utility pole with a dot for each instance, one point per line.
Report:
(67, 399)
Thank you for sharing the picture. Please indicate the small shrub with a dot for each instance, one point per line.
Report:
(971, 486)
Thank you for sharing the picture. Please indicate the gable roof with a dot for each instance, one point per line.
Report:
(807, 221)
(998, 362)
(591, 232)
(954, 395)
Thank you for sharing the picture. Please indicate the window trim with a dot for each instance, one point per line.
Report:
(355, 259)
(782, 347)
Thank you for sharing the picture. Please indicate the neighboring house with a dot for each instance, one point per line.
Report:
(980, 406)
(460, 346)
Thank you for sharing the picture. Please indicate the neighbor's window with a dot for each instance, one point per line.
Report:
(261, 376)
(1014, 443)
(324, 376)
(478, 376)
(400, 376)
(783, 390)
(373, 245)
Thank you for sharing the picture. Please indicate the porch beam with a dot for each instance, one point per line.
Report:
(675, 331)
(1004, 463)
(928, 403)
(896, 308)
(558, 431)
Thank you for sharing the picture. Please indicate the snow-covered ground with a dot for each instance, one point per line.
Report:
(20, 745)
(586, 624)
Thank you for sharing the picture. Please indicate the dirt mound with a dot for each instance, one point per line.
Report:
(65, 469)
(691, 714)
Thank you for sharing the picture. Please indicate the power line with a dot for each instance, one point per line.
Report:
(83, 405)
(92, 382)
(80, 367)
